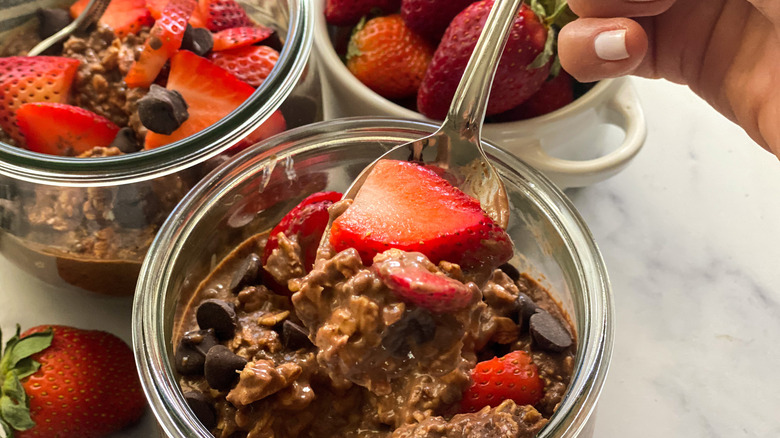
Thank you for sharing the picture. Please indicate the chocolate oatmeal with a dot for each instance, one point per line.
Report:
(337, 353)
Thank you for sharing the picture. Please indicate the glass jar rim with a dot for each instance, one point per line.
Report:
(48, 169)
(595, 340)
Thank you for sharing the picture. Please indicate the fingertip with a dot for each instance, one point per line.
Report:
(591, 49)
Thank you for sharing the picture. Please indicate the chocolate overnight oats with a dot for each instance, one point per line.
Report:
(148, 74)
(356, 340)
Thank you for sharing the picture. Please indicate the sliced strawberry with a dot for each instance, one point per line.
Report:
(416, 280)
(511, 377)
(406, 206)
(164, 40)
(251, 64)
(223, 14)
(60, 129)
(240, 37)
(211, 93)
(122, 16)
(306, 221)
(156, 7)
(26, 79)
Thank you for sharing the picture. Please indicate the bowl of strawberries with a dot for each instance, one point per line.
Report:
(416, 315)
(404, 58)
(101, 135)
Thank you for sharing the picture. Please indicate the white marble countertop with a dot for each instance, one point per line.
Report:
(690, 232)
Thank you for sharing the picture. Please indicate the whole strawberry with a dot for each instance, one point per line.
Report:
(520, 72)
(349, 12)
(430, 18)
(555, 93)
(386, 56)
(511, 377)
(66, 382)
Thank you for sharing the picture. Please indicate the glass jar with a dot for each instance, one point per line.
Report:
(87, 222)
(254, 190)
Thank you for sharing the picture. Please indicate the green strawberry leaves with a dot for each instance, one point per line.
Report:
(555, 14)
(15, 365)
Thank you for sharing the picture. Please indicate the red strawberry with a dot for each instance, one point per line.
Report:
(307, 221)
(515, 79)
(156, 8)
(26, 79)
(122, 16)
(250, 64)
(430, 18)
(71, 383)
(406, 206)
(240, 37)
(164, 40)
(60, 129)
(511, 377)
(415, 279)
(223, 14)
(211, 93)
(554, 94)
(388, 57)
(349, 12)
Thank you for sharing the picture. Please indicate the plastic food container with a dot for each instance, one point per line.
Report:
(585, 142)
(87, 222)
(250, 194)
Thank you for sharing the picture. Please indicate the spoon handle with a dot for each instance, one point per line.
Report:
(467, 109)
(91, 14)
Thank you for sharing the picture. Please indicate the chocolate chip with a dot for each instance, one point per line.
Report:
(197, 40)
(51, 20)
(221, 366)
(246, 273)
(125, 141)
(420, 325)
(191, 352)
(510, 271)
(548, 332)
(218, 315)
(525, 308)
(416, 326)
(155, 43)
(162, 110)
(202, 408)
(294, 336)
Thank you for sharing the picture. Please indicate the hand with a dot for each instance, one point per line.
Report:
(727, 51)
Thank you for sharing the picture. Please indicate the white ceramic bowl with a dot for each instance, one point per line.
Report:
(568, 145)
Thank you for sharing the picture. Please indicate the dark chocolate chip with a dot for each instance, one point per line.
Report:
(420, 325)
(202, 408)
(155, 43)
(246, 273)
(125, 141)
(197, 40)
(510, 271)
(294, 336)
(548, 332)
(51, 20)
(191, 352)
(221, 367)
(274, 41)
(218, 315)
(525, 308)
(416, 326)
(162, 110)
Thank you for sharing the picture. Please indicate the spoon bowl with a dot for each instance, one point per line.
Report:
(456, 146)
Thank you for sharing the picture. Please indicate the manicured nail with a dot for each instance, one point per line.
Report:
(611, 45)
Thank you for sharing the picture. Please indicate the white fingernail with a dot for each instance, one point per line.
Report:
(611, 45)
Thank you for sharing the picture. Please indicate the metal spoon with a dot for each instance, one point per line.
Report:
(457, 142)
(89, 15)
